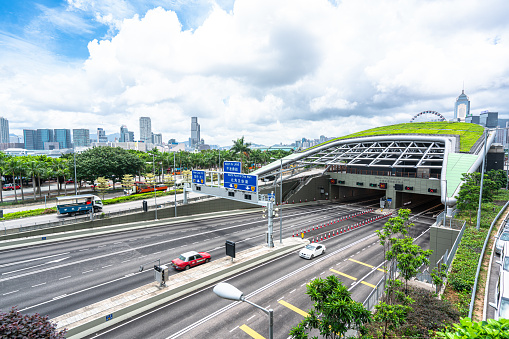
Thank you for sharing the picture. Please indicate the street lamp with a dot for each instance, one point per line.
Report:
(174, 184)
(227, 291)
(280, 201)
(154, 171)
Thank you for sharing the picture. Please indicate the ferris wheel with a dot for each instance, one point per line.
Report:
(428, 116)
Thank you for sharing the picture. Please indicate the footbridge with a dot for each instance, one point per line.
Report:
(395, 167)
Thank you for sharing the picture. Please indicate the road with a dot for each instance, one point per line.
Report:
(280, 285)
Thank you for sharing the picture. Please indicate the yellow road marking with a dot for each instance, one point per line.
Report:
(343, 274)
(251, 332)
(359, 262)
(368, 284)
(293, 308)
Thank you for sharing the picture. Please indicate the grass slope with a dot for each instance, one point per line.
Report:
(469, 133)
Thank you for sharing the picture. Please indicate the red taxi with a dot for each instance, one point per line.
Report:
(190, 259)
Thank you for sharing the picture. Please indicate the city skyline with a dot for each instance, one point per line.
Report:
(309, 68)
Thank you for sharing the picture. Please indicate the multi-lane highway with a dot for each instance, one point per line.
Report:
(60, 277)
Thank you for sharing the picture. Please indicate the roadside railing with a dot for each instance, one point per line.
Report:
(86, 217)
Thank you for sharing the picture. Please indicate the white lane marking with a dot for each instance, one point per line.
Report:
(10, 292)
(107, 266)
(65, 278)
(127, 260)
(119, 242)
(292, 291)
(251, 317)
(31, 267)
(39, 284)
(60, 297)
(87, 271)
(34, 259)
(233, 329)
(85, 249)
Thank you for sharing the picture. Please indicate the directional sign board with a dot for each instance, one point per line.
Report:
(199, 177)
(243, 182)
(232, 166)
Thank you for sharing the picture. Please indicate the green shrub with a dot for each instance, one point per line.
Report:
(16, 325)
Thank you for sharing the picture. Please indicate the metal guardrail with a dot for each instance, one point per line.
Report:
(87, 217)
(474, 289)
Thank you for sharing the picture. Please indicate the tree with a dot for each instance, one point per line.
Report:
(102, 185)
(13, 166)
(240, 147)
(13, 324)
(108, 162)
(127, 182)
(3, 166)
(334, 310)
(409, 258)
(483, 329)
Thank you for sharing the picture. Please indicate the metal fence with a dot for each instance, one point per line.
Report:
(86, 217)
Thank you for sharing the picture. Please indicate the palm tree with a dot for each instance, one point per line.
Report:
(240, 147)
(3, 164)
(33, 167)
(13, 166)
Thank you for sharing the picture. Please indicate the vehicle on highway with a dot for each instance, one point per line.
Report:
(78, 204)
(501, 303)
(312, 250)
(8, 187)
(501, 240)
(144, 187)
(190, 259)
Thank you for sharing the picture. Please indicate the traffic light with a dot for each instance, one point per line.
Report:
(409, 188)
(398, 187)
(432, 190)
(333, 181)
(372, 185)
(382, 185)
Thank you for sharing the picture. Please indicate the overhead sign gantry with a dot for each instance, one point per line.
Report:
(233, 185)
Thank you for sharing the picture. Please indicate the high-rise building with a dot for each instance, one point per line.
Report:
(4, 130)
(81, 137)
(29, 138)
(101, 135)
(195, 133)
(157, 138)
(145, 129)
(131, 136)
(43, 136)
(63, 137)
(124, 134)
(461, 107)
(488, 119)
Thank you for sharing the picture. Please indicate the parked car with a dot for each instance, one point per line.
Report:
(501, 303)
(501, 240)
(312, 250)
(8, 187)
(190, 259)
(70, 181)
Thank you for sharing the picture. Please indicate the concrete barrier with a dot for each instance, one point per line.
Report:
(93, 318)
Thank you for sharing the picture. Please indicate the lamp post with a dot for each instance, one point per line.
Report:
(75, 187)
(280, 201)
(227, 291)
(174, 184)
(154, 171)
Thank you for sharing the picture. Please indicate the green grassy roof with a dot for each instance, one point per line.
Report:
(469, 133)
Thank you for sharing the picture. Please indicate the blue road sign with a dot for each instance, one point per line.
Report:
(109, 317)
(199, 177)
(243, 182)
(271, 196)
(232, 166)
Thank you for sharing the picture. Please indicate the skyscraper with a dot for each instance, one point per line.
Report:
(145, 129)
(43, 136)
(195, 132)
(63, 137)
(4, 130)
(29, 138)
(81, 137)
(101, 135)
(157, 138)
(124, 134)
(131, 136)
(462, 107)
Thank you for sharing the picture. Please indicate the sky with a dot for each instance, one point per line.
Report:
(273, 71)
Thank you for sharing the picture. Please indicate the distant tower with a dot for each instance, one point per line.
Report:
(145, 129)
(462, 107)
(195, 132)
(4, 130)
(124, 134)
(101, 135)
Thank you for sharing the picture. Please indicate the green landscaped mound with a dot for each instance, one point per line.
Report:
(469, 133)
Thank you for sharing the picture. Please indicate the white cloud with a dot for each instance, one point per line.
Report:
(273, 71)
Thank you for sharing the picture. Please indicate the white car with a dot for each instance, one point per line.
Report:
(501, 240)
(312, 250)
